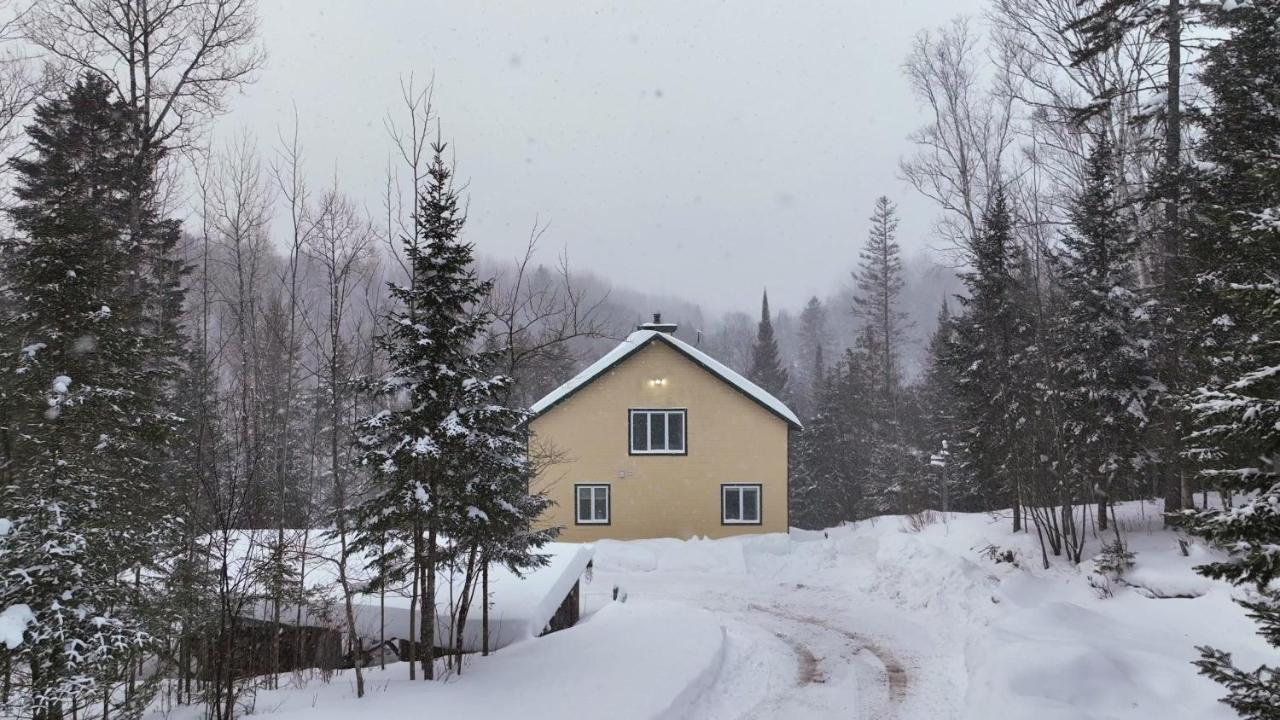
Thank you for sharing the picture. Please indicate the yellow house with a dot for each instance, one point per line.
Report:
(658, 439)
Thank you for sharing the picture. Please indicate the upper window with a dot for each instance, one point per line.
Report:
(657, 432)
(740, 504)
(592, 504)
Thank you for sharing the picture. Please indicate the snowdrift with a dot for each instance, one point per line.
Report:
(625, 662)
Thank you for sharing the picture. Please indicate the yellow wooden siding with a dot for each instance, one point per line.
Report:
(729, 439)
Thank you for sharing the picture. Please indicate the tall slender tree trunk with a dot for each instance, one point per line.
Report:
(484, 612)
(468, 592)
(1173, 482)
(413, 601)
(429, 596)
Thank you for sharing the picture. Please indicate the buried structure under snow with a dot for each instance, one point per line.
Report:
(532, 603)
(539, 601)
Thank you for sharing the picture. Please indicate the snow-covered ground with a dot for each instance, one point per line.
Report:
(879, 619)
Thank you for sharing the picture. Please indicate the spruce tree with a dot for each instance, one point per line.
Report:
(939, 398)
(1236, 438)
(448, 459)
(988, 335)
(1103, 29)
(1102, 363)
(767, 370)
(87, 512)
(834, 449)
(813, 341)
(879, 286)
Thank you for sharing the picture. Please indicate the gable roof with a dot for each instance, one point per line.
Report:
(642, 338)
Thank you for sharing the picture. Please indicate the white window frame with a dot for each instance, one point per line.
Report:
(724, 503)
(666, 413)
(608, 503)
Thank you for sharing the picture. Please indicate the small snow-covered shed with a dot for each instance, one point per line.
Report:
(521, 605)
(538, 601)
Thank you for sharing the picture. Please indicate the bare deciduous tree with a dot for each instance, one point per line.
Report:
(172, 60)
(341, 246)
(537, 315)
(963, 147)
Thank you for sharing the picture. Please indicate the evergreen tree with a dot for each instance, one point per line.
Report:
(939, 396)
(879, 286)
(813, 341)
(88, 513)
(834, 449)
(1102, 360)
(766, 363)
(1237, 408)
(982, 358)
(448, 458)
(1103, 29)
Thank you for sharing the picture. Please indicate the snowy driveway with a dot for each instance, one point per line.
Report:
(796, 649)
(889, 619)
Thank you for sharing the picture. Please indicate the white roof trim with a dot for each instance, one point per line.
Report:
(638, 339)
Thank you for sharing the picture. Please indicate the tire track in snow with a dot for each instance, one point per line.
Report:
(884, 671)
(832, 671)
(808, 670)
(898, 678)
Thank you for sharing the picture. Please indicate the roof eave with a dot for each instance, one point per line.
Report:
(792, 424)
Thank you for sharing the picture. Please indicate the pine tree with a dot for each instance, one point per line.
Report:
(88, 513)
(939, 397)
(448, 459)
(1102, 360)
(987, 339)
(1237, 408)
(767, 370)
(834, 449)
(879, 286)
(813, 341)
(1103, 30)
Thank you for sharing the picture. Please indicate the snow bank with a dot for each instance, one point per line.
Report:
(627, 661)
(977, 637)
(699, 555)
(778, 625)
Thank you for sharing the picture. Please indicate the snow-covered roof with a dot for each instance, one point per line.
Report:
(640, 339)
(521, 605)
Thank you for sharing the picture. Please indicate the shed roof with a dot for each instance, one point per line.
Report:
(642, 338)
(521, 604)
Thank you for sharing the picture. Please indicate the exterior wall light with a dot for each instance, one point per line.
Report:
(658, 382)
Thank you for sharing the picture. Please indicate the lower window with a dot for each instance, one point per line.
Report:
(740, 504)
(592, 503)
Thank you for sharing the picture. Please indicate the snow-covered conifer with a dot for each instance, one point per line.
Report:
(86, 508)
(447, 456)
(1236, 242)
(767, 369)
(1101, 363)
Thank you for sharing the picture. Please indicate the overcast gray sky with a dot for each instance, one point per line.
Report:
(697, 148)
